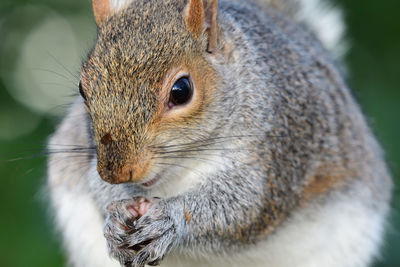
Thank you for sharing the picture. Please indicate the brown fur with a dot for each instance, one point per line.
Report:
(323, 182)
(101, 10)
(269, 105)
(122, 76)
(195, 17)
(106, 139)
(187, 216)
(211, 18)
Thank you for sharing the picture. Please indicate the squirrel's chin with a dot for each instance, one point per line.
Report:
(151, 182)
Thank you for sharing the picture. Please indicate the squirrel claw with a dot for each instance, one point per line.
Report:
(138, 232)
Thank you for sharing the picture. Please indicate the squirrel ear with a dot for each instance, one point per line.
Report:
(102, 9)
(200, 15)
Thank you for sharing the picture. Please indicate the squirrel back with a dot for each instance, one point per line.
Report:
(240, 122)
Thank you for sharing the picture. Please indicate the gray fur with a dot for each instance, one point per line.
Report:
(283, 113)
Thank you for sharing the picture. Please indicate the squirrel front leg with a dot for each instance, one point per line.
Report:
(227, 208)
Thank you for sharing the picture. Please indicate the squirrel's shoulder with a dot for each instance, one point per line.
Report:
(321, 16)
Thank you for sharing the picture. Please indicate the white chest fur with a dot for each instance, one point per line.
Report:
(341, 233)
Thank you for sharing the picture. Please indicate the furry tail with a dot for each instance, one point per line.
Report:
(321, 16)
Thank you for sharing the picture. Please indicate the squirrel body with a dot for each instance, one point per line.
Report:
(268, 160)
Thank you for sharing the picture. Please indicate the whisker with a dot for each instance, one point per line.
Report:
(63, 66)
(76, 151)
(185, 157)
(211, 141)
(66, 147)
(202, 149)
(177, 165)
(82, 155)
(53, 72)
(196, 142)
(71, 149)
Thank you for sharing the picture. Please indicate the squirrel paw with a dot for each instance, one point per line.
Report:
(139, 231)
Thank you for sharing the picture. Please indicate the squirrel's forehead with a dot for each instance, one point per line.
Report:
(143, 41)
(128, 71)
(144, 35)
(138, 56)
(142, 18)
(146, 25)
(141, 46)
(138, 64)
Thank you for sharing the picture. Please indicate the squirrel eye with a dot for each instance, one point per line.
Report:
(81, 91)
(181, 92)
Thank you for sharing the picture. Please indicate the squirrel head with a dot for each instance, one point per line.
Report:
(147, 80)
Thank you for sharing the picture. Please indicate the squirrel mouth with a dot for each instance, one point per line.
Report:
(150, 183)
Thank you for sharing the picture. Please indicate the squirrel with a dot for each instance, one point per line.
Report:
(215, 133)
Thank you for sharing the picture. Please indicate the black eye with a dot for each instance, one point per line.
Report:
(181, 92)
(81, 91)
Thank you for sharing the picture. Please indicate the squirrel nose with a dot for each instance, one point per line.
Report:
(123, 169)
(124, 175)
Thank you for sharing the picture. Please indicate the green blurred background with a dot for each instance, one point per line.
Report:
(42, 43)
